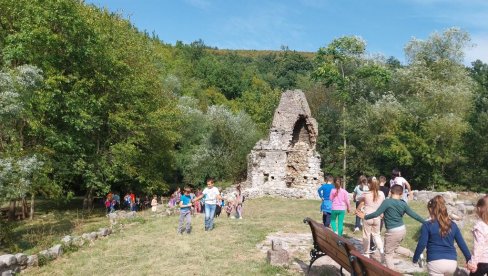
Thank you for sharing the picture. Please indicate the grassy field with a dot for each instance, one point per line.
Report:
(53, 220)
(154, 247)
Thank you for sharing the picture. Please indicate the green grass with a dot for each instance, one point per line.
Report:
(52, 220)
(154, 247)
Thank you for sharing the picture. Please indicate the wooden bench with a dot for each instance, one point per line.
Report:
(365, 266)
(328, 243)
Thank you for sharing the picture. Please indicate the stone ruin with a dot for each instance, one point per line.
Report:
(286, 164)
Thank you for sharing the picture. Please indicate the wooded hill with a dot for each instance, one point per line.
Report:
(89, 104)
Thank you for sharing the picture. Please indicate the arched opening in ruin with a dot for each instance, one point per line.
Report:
(301, 132)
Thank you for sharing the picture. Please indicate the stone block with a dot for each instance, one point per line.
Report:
(21, 259)
(93, 236)
(8, 260)
(32, 261)
(102, 232)
(56, 251)
(67, 240)
(278, 257)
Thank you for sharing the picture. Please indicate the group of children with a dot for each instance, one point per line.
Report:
(212, 201)
(378, 204)
(130, 202)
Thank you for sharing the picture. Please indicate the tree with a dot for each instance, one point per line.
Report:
(342, 66)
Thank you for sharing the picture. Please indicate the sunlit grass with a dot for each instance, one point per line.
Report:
(154, 247)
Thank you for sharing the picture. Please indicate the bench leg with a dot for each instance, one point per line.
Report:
(314, 255)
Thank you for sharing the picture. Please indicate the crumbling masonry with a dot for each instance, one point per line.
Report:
(287, 164)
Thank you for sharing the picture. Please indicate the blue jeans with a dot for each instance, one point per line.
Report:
(209, 216)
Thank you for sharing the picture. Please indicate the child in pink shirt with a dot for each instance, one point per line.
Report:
(340, 203)
(479, 259)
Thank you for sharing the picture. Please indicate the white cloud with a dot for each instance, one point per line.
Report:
(479, 51)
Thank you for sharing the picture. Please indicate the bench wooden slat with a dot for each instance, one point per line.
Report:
(343, 252)
(365, 266)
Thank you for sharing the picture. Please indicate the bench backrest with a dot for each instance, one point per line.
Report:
(365, 266)
(330, 243)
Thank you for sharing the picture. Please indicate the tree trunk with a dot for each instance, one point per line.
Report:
(31, 214)
(23, 208)
(88, 201)
(11, 210)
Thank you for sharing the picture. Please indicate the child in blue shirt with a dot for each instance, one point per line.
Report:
(185, 211)
(324, 194)
(438, 235)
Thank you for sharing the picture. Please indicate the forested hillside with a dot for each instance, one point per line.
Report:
(89, 104)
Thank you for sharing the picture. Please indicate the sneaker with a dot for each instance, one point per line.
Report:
(356, 229)
(240, 217)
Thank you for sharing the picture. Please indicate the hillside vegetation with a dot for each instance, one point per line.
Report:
(89, 104)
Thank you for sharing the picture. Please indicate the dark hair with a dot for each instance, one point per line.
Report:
(362, 180)
(438, 211)
(482, 208)
(382, 178)
(397, 190)
(395, 173)
(330, 178)
(210, 179)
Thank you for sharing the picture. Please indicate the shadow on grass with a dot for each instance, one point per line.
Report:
(52, 220)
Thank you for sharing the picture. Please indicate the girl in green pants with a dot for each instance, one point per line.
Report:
(340, 203)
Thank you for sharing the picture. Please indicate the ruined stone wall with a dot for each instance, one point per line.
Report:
(286, 163)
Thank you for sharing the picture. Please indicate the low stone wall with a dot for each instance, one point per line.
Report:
(11, 264)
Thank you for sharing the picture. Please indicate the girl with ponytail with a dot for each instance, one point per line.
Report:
(438, 235)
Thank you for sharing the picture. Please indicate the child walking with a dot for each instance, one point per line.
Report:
(371, 200)
(479, 260)
(358, 191)
(340, 203)
(438, 235)
(393, 209)
(185, 211)
(324, 194)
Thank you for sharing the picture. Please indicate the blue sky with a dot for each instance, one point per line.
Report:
(306, 25)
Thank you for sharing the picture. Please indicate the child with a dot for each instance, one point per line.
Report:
(358, 191)
(383, 187)
(438, 235)
(397, 179)
(185, 211)
(340, 203)
(324, 194)
(239, 201)
(154, 203)
(479, 261)
(212, 195)
(393, 209)
(371, 200)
